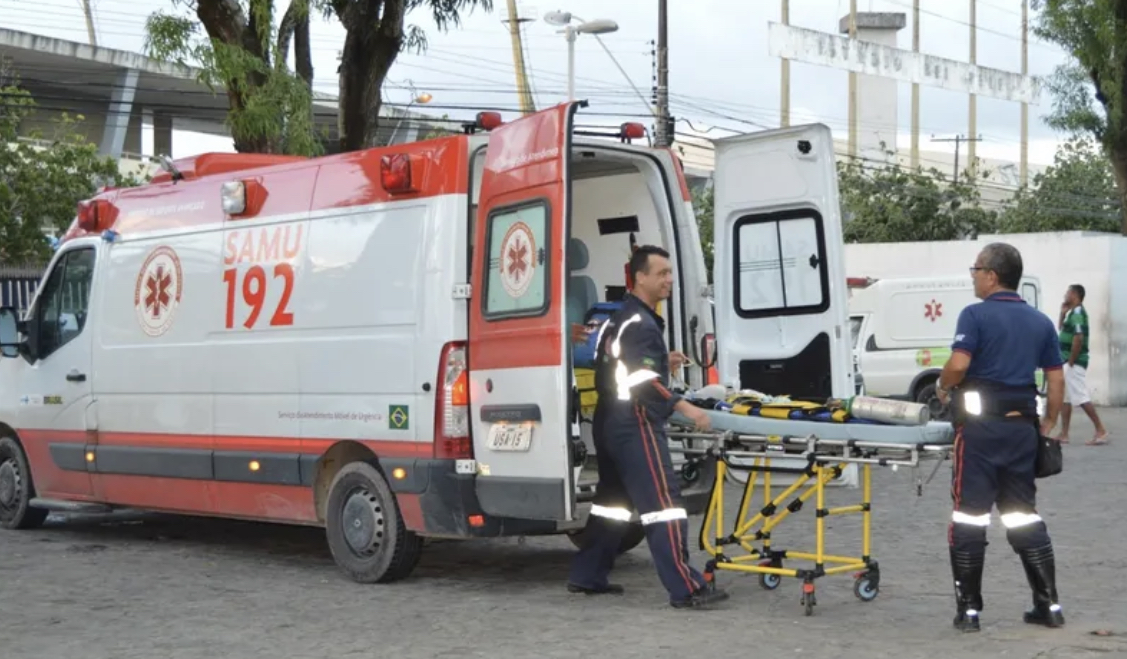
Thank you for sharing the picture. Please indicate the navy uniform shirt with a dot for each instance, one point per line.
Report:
(1007, 341)
(644, 357)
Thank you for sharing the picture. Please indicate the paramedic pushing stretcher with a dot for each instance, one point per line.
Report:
(635, 468)
(990, 381)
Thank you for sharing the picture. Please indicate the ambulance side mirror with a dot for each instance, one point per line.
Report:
(9, 332)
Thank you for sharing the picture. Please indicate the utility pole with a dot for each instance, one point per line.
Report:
(1025, 106)
(915, 88)
(784, 95)
(852, 82)
(523, 92)
(958, 139)
(88, 11)
(663, 134)
(972, 109)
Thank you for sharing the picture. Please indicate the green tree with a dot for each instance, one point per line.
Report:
(703, 205)
(889, 203)
(1076, 193)
(1090, 91)
(236, 45)
(40, 185)
(270, 107)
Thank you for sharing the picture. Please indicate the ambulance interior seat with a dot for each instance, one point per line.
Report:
(582, 293)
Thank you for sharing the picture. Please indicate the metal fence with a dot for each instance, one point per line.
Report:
(18, 285)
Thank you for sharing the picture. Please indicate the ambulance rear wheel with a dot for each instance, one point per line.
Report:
(16, 489)
(633, 537)
(365, 530)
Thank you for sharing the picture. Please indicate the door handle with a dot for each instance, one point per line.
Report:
(75, 376)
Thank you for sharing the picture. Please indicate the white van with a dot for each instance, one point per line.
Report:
(378, 342)
(902, 329)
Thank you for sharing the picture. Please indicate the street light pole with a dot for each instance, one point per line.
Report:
(570, 36)
(595, 27)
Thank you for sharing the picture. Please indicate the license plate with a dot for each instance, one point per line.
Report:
(508, 437)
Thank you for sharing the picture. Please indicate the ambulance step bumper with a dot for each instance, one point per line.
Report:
(79, 507)
(448, 503)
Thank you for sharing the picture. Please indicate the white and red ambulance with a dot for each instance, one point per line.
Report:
(378, 342)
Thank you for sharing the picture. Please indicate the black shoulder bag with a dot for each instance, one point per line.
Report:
(1050, 458)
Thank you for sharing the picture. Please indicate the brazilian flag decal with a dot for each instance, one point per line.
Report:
(398, 417)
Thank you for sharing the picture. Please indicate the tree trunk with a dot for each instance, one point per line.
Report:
(1119, 166)
(372, 43)
(225, 21)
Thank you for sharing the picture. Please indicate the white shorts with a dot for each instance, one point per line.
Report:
(1075, 385)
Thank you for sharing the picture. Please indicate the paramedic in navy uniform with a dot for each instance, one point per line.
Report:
(999, 344)
(635, 469)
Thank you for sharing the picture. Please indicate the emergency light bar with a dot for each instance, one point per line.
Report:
(95, 215)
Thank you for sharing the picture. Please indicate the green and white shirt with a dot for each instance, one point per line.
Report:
(1075, 323)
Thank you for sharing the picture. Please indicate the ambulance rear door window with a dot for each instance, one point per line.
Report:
(516, 282)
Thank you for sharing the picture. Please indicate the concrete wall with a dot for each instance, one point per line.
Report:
(1096, 261)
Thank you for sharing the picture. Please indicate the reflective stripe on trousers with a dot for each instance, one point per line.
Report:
(1009, 520)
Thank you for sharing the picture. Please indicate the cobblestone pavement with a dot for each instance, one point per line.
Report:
(171, 588)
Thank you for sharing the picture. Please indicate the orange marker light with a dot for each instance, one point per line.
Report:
(477, 520)
(399, 473)
(89, 456)
(254, 466)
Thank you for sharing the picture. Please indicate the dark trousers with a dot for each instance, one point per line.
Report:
(994, 466)
(635, 472)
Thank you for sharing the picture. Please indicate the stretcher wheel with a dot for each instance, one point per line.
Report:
(865, 588)
(808, 599)
(770, 581)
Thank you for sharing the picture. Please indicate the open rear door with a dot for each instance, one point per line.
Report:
(781, 296)
(519, 354)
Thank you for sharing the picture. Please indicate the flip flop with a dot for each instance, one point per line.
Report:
(1096, 441)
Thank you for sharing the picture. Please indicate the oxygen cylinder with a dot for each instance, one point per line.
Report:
(884, 410)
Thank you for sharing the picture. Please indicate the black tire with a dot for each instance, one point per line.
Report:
(929, 397)
(17, 489)
(633, 537)
(379, 548)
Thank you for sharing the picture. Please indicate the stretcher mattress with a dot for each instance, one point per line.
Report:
(934, 433)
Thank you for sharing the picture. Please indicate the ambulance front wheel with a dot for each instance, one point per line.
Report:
(365, 530)
(16, 489)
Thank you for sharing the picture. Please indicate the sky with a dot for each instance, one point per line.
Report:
(720, 71)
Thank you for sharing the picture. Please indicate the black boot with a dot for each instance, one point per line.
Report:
(1040, 570)
(966, 569)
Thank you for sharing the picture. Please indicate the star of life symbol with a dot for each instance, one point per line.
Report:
(933, 310)
(518, 259)
(156, 296)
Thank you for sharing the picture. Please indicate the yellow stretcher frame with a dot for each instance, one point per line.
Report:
(825, 461)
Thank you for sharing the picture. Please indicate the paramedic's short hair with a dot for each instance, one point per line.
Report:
(1079, 290)
(640, 259)
(1005, 261)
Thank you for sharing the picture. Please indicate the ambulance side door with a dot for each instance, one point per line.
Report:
(519, 352)
(779, 273)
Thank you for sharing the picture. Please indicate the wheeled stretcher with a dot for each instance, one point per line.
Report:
(823, 449)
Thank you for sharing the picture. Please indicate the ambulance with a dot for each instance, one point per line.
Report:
(379, 342)
(902, 329)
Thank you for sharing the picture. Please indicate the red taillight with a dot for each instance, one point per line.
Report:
(395, 173)
(632, 131)
(488, 120)
(452, 405)
(708, 350)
